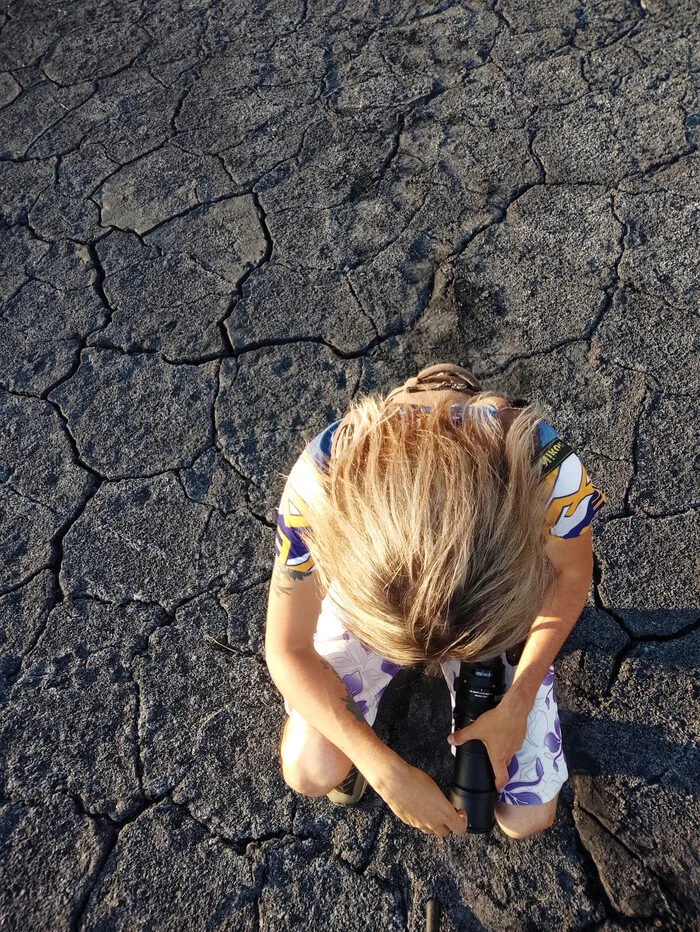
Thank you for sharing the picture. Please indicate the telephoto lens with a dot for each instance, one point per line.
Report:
(478, 687)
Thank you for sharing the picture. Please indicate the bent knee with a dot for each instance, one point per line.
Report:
(526, 831)
(524, 821)
(307, 786)
(311, 765)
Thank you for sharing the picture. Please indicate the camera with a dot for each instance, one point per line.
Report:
(478, 687)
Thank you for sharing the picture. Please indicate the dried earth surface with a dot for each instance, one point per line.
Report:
(221, 222)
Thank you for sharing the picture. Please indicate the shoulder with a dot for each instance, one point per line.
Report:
(303, 480)
(573, 497)
(300, 490)
(317, 451)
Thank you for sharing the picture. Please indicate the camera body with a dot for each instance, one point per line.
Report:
(478, 687)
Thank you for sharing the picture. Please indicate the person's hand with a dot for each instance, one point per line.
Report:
(502, 729)
(418, 801)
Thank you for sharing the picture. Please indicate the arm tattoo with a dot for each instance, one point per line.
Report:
(352, 707)
(348, 700)
(280, 573)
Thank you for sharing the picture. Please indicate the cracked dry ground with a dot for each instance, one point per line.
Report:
(220, 223)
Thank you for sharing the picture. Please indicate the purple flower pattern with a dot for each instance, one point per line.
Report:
(552, 741)
(547, 681)
(353, 681)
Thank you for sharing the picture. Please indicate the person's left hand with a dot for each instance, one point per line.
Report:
(502, 729)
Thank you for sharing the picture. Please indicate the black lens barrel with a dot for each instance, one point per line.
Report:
(478, 687)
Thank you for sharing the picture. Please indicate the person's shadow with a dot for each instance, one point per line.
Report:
(630, 726)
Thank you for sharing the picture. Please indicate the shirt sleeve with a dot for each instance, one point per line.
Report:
(290, 549)
(303, 486)
(573, 499)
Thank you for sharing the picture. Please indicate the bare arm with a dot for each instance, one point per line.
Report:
(309, 682)
(503, 729)
(573, 567)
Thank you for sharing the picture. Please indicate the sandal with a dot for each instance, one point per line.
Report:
(351, 790)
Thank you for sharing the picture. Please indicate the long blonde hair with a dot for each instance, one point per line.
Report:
(432, 530)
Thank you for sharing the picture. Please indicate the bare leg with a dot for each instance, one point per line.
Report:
(521, 821)
(311, 764)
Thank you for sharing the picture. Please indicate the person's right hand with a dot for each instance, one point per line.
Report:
(418, 801)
